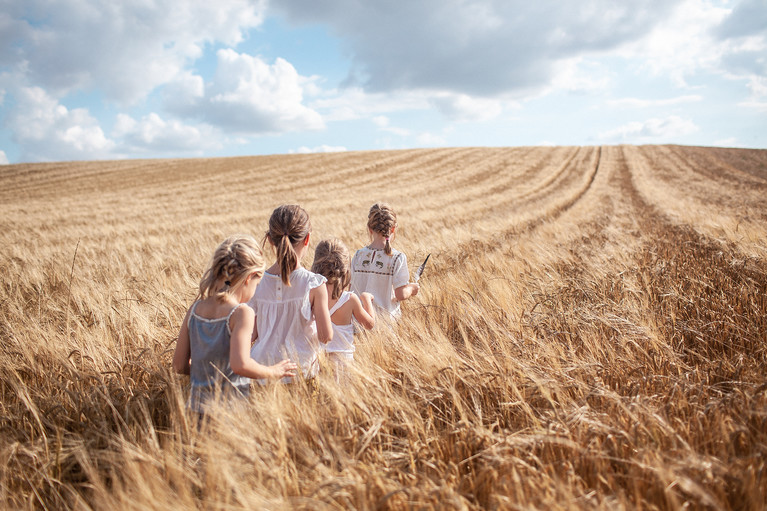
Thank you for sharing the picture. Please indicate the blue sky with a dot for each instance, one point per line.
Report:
(90, 79)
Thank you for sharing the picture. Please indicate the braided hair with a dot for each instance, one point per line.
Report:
(234, 259)
(288, 225)
(382, 219)
(331, 260)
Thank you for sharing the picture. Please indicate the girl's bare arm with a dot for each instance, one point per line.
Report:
(241, 323)
(183, 353)
(319, 300)
(404, 292)
(364, 311)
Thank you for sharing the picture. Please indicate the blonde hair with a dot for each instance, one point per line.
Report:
(382, 219)
(288, 225)
(331, 260)
(235, 258)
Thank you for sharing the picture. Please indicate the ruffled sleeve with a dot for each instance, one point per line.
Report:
(313, 280)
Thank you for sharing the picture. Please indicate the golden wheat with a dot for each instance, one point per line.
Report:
(591, 332)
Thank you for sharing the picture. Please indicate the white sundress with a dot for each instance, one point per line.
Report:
(343, 335)
(285, 322)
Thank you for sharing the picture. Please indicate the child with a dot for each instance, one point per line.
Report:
(214, 342)
(379, 269)
(331, 260)
(290, 299)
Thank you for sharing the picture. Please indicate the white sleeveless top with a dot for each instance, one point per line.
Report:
(285, 323)
(343, 335)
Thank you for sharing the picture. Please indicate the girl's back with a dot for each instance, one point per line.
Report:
(379, 274)
(284, 320)
(209, 343)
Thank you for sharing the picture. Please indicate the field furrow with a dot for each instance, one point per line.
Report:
(590, 333)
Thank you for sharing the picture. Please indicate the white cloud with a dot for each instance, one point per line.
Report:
(582, 76)
(246, 96)
(478, 48)
(46, 130)
(461, 107)
(759, 106)
(3, 158)
(125, 48)
(430, 140)
(156, 135)
(728, 142)
(319, 149)
(653, 130)
(647, 103)
(352, 103)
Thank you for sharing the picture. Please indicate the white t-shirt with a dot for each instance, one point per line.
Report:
(379, 274)
(285, 322)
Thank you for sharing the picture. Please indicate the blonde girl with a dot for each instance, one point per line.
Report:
(290, 301)
(331, 260)
(214, 341)
(378, 268)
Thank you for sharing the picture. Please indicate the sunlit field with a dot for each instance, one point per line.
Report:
(591, 333)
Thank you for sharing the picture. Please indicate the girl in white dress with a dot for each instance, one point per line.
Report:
(213, 345)
(331, 260)
(378, 268)
(290, 299)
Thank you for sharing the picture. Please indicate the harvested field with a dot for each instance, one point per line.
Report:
(591, 333)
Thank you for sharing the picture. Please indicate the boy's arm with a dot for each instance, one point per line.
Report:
(364, 311)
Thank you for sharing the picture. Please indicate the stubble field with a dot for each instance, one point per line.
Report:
(591, 333)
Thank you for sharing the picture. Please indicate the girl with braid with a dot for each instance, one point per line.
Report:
(213, 345)
(378, 268)
(290, 300)
(331, 260)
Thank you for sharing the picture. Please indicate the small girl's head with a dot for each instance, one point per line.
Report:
(288, 226)
(331, 260)
(233, 261)
(382, 219)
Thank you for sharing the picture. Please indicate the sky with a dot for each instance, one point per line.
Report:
(103, 80)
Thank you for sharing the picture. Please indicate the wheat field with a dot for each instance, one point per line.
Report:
(591, 333)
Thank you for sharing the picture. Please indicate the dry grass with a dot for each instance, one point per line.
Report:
(591, 333)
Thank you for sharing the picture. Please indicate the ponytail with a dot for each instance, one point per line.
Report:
(288, 225)
(286, 258)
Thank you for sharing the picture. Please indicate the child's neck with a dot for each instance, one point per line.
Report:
(276, 269)
(331, 301)
(379, 242)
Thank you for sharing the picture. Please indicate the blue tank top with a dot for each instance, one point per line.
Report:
(210, 372)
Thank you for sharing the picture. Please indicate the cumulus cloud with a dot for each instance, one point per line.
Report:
(246, 96)
(45, 130)
(478, 48)
(153, 134)
(127, 49)
(653, 130)
(3, 158)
